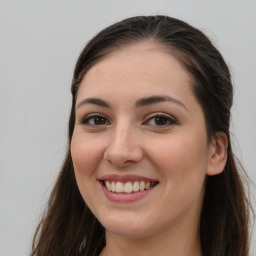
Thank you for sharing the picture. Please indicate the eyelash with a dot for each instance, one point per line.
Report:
(86, 120)
(166, 118)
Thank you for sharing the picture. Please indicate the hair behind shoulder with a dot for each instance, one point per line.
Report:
(68, 226)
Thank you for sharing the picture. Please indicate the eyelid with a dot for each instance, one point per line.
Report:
(93, 115)
(161, 114)
(170, 118)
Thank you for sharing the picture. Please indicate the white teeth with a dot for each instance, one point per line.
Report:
(108, 185)
(119, 187)
(136, 186)
(142, 185)
(113, 186)
(128, 187)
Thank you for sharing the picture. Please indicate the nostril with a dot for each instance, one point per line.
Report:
(122, 155)
(122, 158)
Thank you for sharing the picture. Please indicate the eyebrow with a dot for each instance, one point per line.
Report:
(139, 103)
(95, 101)
(157, 99)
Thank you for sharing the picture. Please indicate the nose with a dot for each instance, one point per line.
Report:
(124, 148)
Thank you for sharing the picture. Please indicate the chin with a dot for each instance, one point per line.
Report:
(128, 231)
(129, 227)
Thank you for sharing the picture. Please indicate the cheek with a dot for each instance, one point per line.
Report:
(85, 154)
(180, 154)
(182, 163)
(86, 157)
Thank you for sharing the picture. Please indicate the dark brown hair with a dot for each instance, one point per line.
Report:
(69, 227)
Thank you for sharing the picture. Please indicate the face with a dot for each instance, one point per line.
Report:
(139, 147)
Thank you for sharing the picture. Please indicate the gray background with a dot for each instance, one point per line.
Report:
(39, 44)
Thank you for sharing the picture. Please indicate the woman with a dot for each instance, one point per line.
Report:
(149, 168)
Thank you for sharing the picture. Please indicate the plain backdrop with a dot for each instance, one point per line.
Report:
(40, 41)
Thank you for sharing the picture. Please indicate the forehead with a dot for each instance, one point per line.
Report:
(140, 66)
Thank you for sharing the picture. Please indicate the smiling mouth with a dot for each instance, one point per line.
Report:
(128, 187)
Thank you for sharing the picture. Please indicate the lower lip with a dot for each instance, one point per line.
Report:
(126, 198)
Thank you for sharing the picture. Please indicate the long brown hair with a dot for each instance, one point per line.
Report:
(68, 227)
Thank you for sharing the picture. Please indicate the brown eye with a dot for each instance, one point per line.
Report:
(95, 120)
(160, 120)
(99, 120)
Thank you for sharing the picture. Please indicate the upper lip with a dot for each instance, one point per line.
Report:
(125, 178)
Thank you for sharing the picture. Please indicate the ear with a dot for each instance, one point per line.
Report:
(217, 154)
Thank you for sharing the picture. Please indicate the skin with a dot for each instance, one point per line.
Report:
(130, 141)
